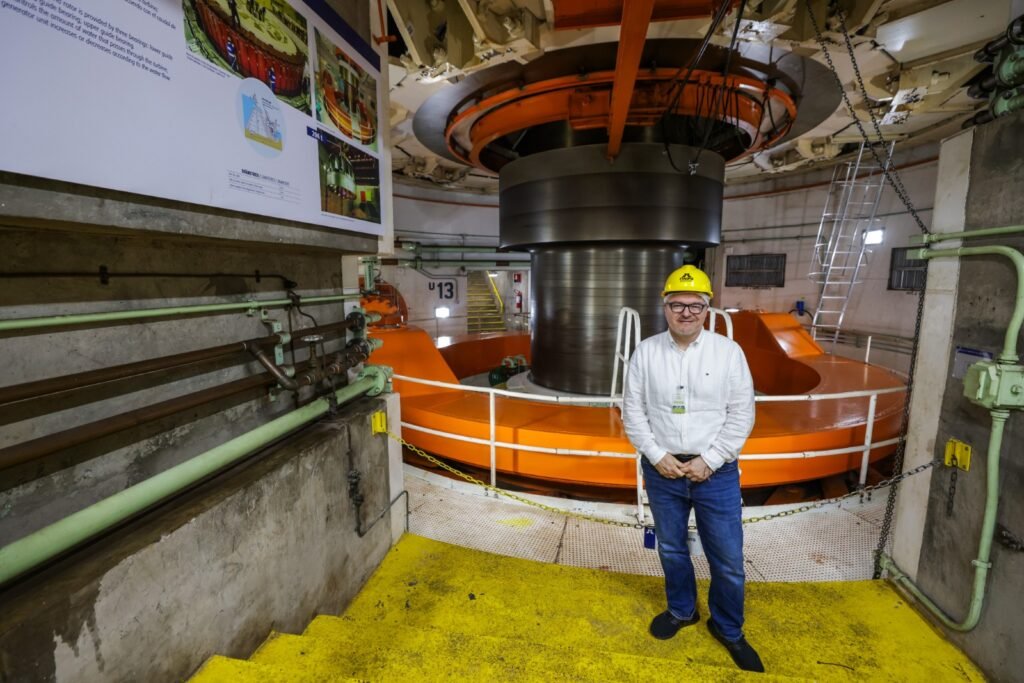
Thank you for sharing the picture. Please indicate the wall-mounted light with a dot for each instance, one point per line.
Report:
(442, 312)
(492, 274)
(443, 342)
(874, 236)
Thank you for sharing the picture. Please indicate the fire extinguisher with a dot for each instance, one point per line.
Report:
(519, 301)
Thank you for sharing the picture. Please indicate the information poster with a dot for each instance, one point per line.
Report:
(270, 107)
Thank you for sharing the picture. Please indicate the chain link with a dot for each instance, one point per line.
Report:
(866, 491)
(890, 175)
(508, 494)
(952, 488)
(898, 459)
(632, 525)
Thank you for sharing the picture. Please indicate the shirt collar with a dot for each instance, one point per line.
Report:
(695, 343)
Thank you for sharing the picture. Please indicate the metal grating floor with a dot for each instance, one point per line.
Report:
(834, 543)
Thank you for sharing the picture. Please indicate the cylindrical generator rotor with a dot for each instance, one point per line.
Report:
(603, 236)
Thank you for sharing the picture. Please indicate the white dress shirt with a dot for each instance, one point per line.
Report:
(699, 400)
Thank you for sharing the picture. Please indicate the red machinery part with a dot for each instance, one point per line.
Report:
(585, 102)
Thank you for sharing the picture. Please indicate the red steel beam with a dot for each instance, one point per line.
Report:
(636, 17)
(581, 14)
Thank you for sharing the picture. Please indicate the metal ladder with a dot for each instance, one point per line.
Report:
(840, 250)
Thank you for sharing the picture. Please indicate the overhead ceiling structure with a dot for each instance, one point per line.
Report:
(611, 155)
(912, 72)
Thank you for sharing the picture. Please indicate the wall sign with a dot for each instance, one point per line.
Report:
(264, 106)
(445, 288)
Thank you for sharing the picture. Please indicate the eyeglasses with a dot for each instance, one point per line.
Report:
(678, 307)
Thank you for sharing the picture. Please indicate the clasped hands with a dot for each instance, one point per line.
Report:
(695, 470)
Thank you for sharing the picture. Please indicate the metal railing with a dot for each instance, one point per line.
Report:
(598, 401)
(627, 338)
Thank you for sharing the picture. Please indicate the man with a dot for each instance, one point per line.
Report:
(688, 407)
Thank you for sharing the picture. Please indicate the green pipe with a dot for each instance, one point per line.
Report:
(469, 265)
(417, 247)
(995, 442)
(114, 316)
(48, 542)
(967, 234)
(1009, 354)
(988, 526)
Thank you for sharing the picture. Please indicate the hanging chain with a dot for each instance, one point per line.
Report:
(952, 488)
(890, 174)
(501, 492)
(1008, 540)
(866, 491)
(897, 186)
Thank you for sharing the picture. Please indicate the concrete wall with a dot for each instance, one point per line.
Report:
(446, 218)
(422, 213)
(266, 546)
(781, 220)
(981, 305)
(423, 302)
(39, 492)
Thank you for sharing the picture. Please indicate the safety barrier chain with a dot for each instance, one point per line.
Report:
(830, 501)
(633, 525)
(501, 492)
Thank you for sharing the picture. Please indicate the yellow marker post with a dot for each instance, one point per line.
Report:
(379, 422)
(958, 454)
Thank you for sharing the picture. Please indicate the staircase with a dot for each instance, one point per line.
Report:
(433, 612)
(485, 311)
(840, 252)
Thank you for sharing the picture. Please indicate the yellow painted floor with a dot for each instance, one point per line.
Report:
(434, 611)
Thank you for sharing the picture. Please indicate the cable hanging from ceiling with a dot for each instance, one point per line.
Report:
(891, 177)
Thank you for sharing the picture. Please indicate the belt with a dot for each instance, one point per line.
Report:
(685, 457)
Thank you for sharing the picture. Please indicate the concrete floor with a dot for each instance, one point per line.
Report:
(833, 543)
(435, 611)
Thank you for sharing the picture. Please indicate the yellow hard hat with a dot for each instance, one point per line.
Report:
(688, 279)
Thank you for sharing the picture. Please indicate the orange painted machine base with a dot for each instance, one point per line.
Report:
(783, 358)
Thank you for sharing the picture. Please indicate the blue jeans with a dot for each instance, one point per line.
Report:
(717, 507)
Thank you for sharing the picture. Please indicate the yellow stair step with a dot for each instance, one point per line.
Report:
(218, 669)
(334, 646)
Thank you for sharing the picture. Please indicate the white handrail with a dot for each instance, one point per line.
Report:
(715, 312)
(602, 400)
(511, 394)
(802, 455)
(630, 320)
(522, 447)
(494, 444)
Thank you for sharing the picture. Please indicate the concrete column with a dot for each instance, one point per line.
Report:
(396, 471)
(933, 353)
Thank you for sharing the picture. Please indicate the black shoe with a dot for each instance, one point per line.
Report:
(665, 625)
(745, 656)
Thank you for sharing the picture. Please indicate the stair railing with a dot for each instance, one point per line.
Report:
(627, 338)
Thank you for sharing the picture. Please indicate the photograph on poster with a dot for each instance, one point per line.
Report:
(346, 95)
(262, 39)
(349, 180)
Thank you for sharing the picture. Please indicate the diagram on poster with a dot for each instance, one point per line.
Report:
(261, 117)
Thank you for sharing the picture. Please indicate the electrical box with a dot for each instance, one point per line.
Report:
(958, 454)
(995, 386)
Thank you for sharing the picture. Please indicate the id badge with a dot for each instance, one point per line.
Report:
(678, 404)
